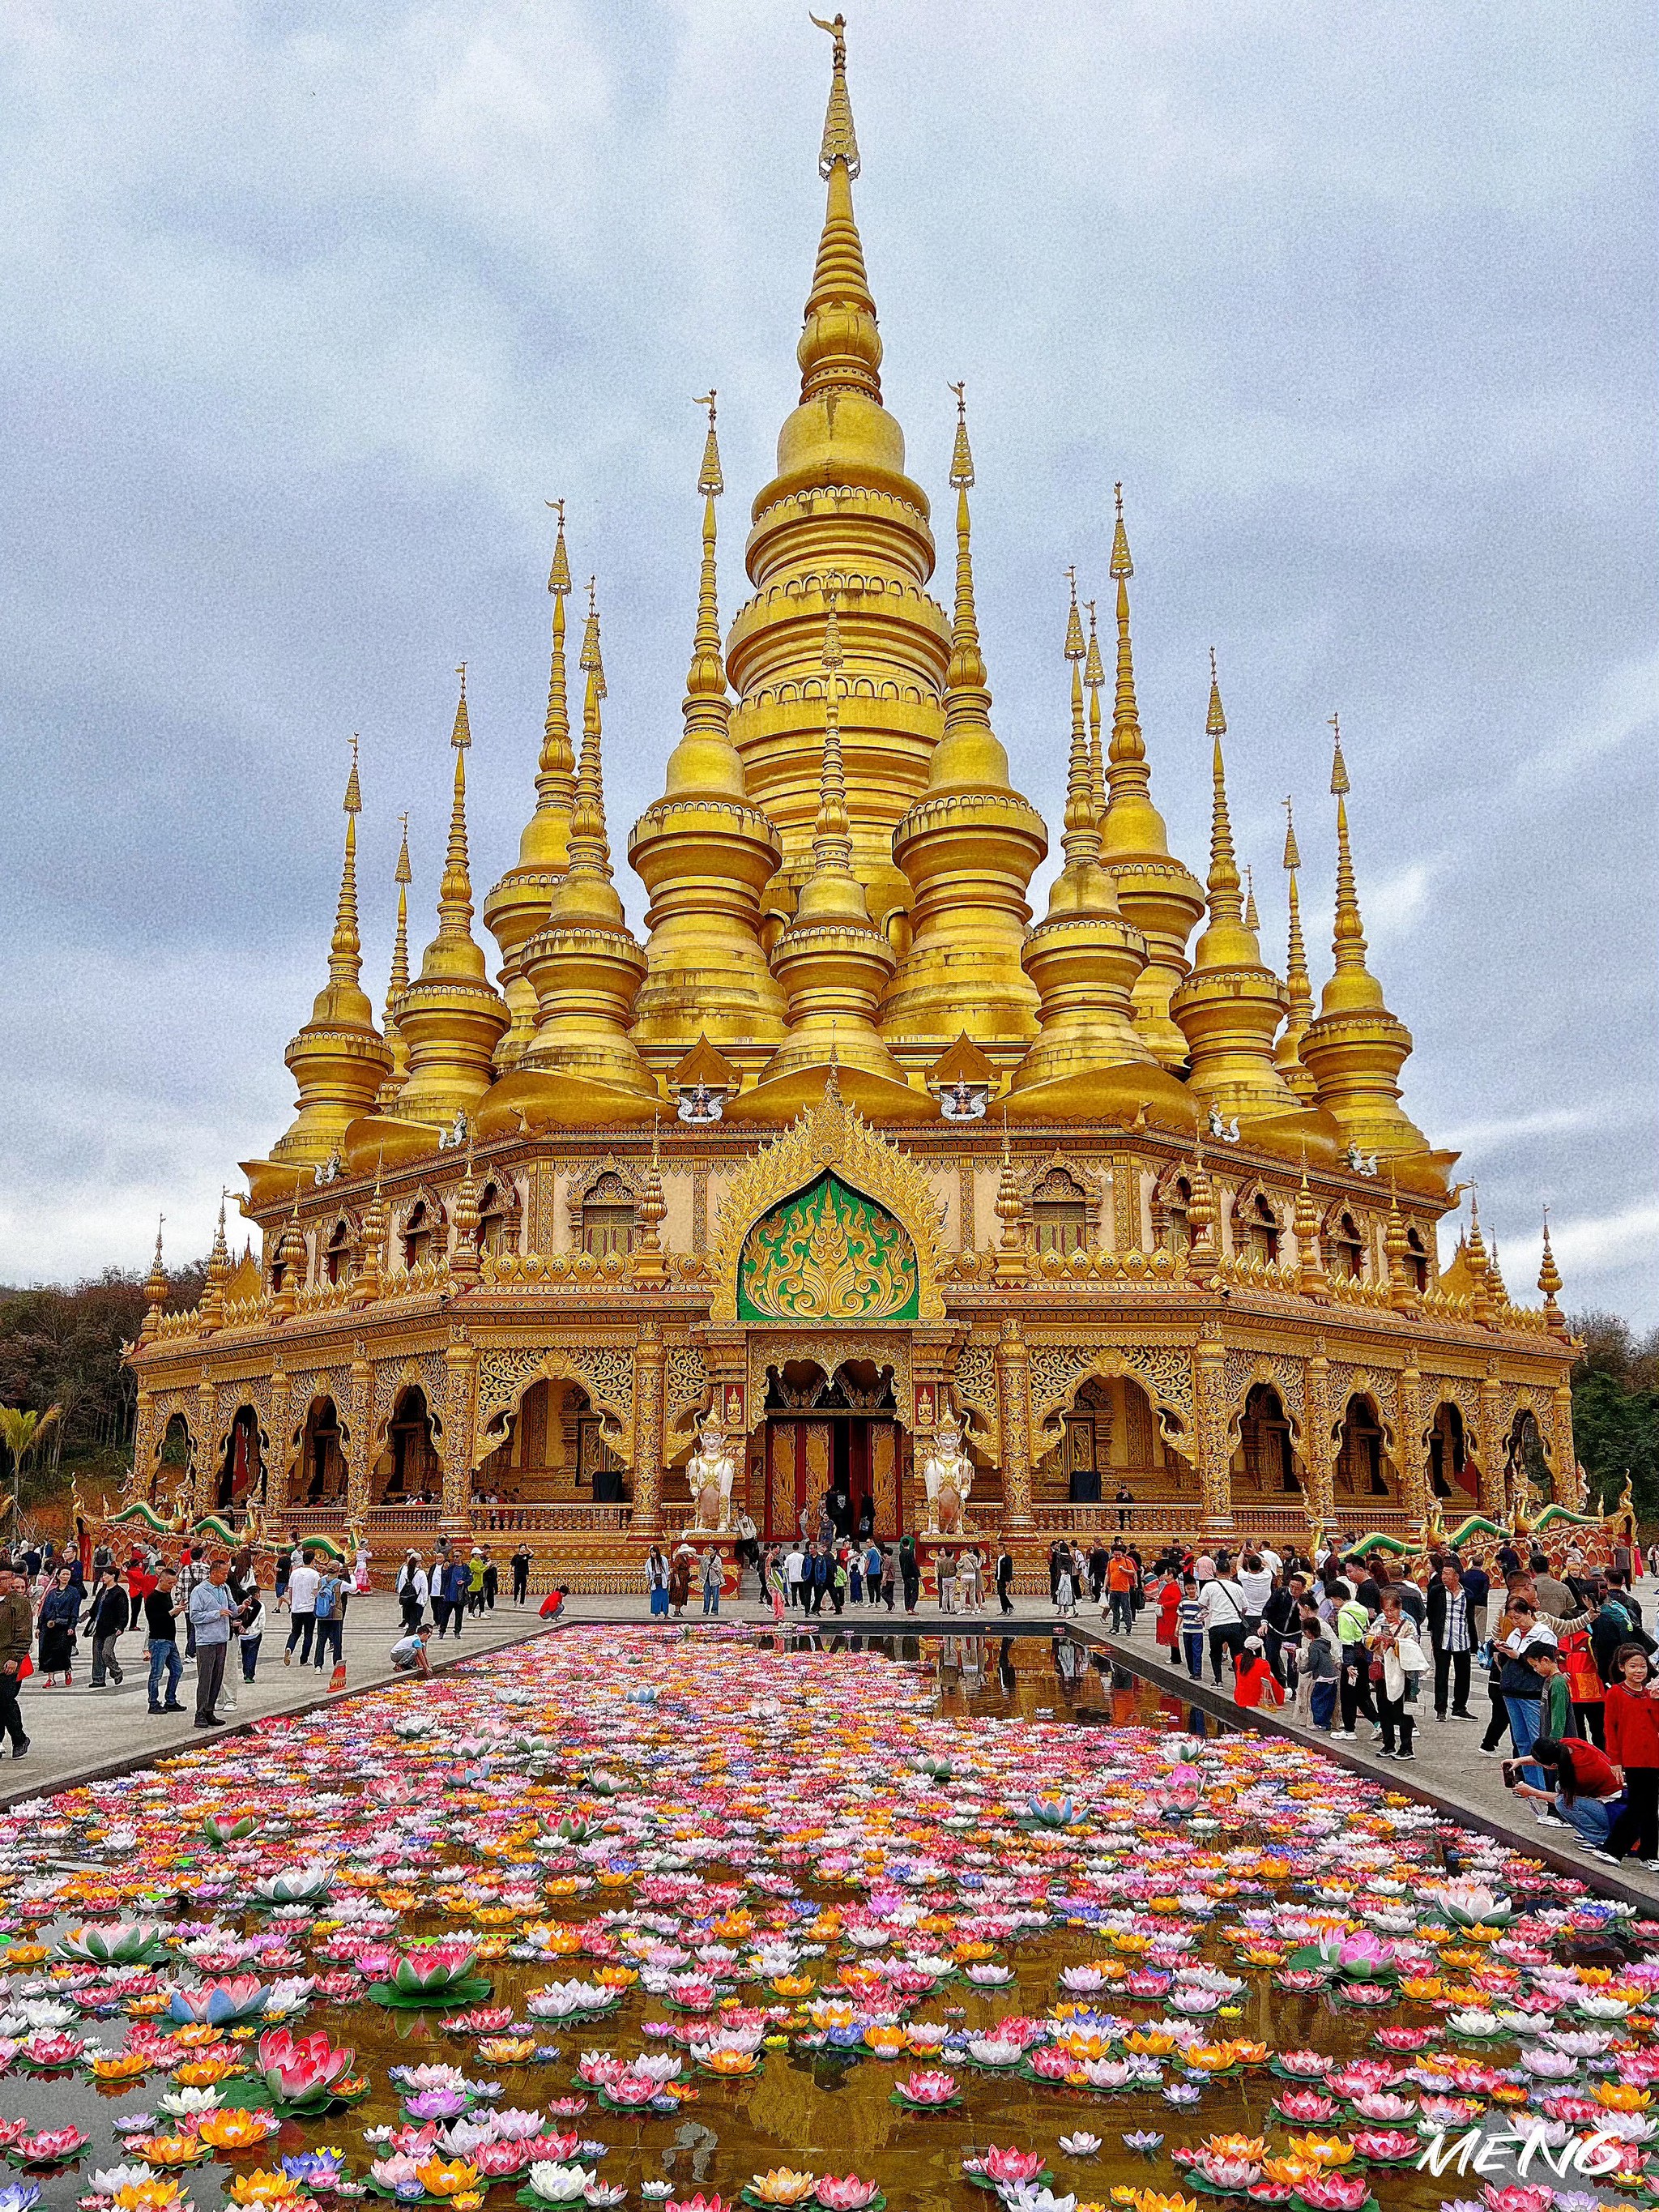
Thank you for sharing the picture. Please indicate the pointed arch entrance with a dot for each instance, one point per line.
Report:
(1266, 1468)
(319, 1475)
(832, 1450)
(1365, 1471)
(241, 1477)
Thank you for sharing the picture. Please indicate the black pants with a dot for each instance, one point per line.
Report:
(1356, 1685)
(1588, 1718)
(1005, 1597)
(11, 1721)
(1453, 1665)
(1228, 1637)
(1122, 1613)
(1636, 1831)
(302, 1627)
(1498, 1727)
(440, 1615)
(409, 1603)
(520, 1583)
(1395, 1717)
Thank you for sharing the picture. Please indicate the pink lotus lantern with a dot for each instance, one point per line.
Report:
(303, 2070)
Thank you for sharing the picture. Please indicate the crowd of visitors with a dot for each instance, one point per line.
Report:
(62, 1606)
(828, 1572)
(1572, 1691)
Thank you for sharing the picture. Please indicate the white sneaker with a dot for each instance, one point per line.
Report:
(1347, 1734)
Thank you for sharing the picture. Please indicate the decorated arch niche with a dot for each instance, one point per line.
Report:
(1366, 1468)
(828, 1253)
(241, 1476)
(829, 1223)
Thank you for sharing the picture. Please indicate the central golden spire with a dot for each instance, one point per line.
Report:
(705, 855)
(397, 981)
(968, 845)
(1157, 893)
(1298, 992)
(840, 515)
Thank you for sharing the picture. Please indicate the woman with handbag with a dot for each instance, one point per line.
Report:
(1631, 1721)
(1396, 1656)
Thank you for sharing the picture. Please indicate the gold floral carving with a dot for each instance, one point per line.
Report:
(604, 1371)
(833, 1135)
(827, 1254)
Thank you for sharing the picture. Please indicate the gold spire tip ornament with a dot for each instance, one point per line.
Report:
(559, 576)
(1094, 673)
(1339, 784)
(840, 142)
(962, 458)
(1292, 852)
(831, 655)
(1074, 646)
(1216, 726)
(1122, 566)
(354, 798)
(710, 482)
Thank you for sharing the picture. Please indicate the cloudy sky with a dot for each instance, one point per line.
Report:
(305, 307)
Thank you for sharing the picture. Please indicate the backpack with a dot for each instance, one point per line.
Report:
(327, 1590)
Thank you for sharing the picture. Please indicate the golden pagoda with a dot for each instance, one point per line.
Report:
(845, 1156)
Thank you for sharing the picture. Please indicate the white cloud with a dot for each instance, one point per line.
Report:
(1626, 706)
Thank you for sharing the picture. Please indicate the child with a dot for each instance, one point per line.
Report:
(1168, 1608)
(409, 1653)
(1319, 1673)
(1189, 1620)
(1255, 1682)
(1064, 1591)
(249, 1634)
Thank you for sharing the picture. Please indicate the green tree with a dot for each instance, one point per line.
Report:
(1615, 1410)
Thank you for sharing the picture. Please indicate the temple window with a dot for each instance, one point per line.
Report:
(420, 1234)
(1256, 1232)
(1059, 1213)
(607, 1218)
(493, 1219)
(1417, 1261)
(1177, 1236)
(1348, 1249)
(336, 1259)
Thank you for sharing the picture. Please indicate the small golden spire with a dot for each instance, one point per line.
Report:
(1298, 991)
(1080, 839)
(1549, 1282)
(1310, 1277)
(1224, 878)
(1402, 1291)
(1128, 748)
(1348, 936)
(155, 1289)
(455, 889)
(965, 677)
(555, 770)
(1012, 1263)
(1252, 919)
(1094, 676)
(705, 762)
(590, 848)
(345, 951)
(403, 876)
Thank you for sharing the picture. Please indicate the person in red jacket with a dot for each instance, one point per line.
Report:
(1255, 1682)
(1631, 1722)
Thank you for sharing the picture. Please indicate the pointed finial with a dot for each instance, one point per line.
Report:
(1074, 646)
(590, 846)
(354, 798)
(832, 843)
(710, 482)
(1348, 934)
(961, 458)
(1339, 784)
(1216, 726)
(1292, 854)
(588, 659)
(840, 141)
(1094, 676)
(345, 947)
(1122, 566)
(1252, 919)
(455, 887)
(1549, 1277)
(559, 576)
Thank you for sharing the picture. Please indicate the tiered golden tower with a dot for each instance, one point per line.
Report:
(836, 1144)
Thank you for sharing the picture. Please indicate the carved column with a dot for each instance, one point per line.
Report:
(1014, 1399)
(144, 1445)
(461, 1376)
(1322, 1482)
(206, 1438)
(357, 1466)
(649, 1359)
(1493, 1503)
(1210, 1421)
(1413, 1473)
(1568, 1488)
(276, 1465)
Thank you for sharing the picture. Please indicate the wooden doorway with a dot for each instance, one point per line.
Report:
(831, 1437)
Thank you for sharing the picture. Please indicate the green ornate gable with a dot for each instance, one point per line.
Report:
(827, 1254)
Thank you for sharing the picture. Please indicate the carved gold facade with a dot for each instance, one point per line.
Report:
(841, 1145)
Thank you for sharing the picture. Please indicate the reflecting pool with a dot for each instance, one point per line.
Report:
(634, 1916)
